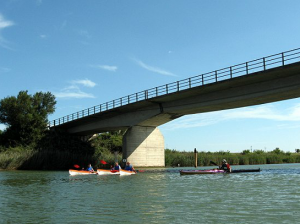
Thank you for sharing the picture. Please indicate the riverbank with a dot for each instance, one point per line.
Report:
(28, 159)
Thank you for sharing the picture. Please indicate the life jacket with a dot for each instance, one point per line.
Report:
(117, 167)
(129, 168)
(225, 167)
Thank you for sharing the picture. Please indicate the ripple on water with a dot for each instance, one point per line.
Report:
(271, 196)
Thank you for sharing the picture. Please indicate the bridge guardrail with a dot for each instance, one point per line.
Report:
(261, 64)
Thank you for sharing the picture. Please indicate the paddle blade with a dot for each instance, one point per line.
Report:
(103, 162)
(76, 166)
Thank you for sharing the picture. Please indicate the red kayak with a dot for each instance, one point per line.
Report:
(191, 172)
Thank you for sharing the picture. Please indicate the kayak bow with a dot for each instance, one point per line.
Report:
(80, 172)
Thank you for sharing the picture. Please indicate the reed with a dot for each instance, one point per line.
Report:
(173, 158)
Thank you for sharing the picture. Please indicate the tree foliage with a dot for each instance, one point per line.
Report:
(111, 141)
(26, 117)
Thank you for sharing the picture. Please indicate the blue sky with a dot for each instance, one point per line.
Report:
(91, 52)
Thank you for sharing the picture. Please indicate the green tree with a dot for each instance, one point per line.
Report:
(246, 151)
(111, 141)
(277, 151)
(26, 117)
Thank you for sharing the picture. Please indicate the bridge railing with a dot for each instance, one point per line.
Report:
(261, 64)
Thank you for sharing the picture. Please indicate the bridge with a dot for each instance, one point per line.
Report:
(268, 79)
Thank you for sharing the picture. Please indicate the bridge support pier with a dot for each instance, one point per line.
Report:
(144, 147)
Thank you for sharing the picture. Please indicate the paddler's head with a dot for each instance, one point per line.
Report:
(224, 161)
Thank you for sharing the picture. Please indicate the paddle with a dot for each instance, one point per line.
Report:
(214, 163)
(76, 166)
(103, 162)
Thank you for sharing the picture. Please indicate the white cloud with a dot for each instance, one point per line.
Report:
(4, 24)
(154, 69)
(105, 67)
(266, 112)
(4, 70)
(43, 36)
(85, 82)
(39, 2)
(84, 33)
(78, 95)
(74, 91)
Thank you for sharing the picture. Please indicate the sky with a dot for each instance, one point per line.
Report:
(90, 52)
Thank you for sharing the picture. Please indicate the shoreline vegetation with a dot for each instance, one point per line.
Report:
(25, 158)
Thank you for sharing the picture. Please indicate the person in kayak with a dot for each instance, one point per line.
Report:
(90, 168)
(225, 166)
(129, 167)
(116, 167)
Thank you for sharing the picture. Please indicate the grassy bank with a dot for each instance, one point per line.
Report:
(30, 159)
(173, 158)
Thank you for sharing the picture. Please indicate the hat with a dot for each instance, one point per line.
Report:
(224, 161)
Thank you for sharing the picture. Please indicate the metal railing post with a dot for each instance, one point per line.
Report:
(167, 91)
(177, 86)
(247, 70)
(190, 85)
(216, 74)
(231, 72)
(264, 62)
(282, 55)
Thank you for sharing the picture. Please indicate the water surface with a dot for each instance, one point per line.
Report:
(153, 196)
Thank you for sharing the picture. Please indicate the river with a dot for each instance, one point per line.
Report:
(153, 196)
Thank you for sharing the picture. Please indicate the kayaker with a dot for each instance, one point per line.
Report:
(90, 168)
(225, 166)
(116, 167)
(129, 167)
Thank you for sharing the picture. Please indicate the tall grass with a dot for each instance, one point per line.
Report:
(50, 159)
(176, 158)
(30, 159)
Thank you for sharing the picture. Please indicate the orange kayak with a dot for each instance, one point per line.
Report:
(80, 172)
(126, 172)
(107, 172)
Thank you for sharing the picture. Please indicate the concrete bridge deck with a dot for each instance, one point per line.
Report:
(265, 80)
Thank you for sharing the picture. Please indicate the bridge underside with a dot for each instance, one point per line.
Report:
(139, 118)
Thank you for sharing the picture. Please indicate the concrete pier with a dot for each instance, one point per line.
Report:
(144, 147)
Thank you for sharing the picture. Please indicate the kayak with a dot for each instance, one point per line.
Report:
(215, 171)
(191, 172)
(80, 172)
(245, 170)
(107, 172)
(126, 172)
